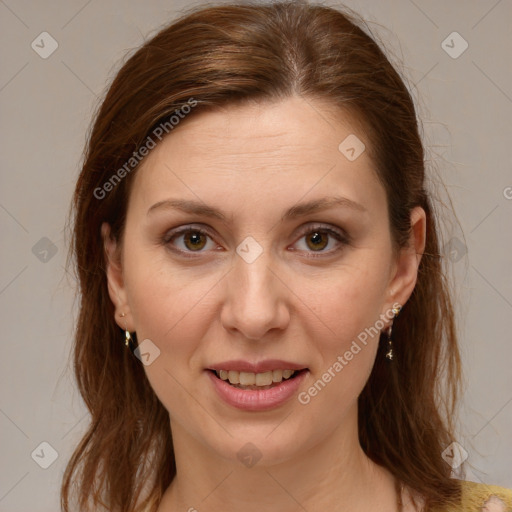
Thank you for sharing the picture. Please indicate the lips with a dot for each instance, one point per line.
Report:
(255, 398)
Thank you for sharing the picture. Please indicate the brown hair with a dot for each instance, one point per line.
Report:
(216, 56)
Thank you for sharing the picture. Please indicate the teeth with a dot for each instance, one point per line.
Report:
(287, 374)
(247, 379)
(263, 379)
(254, 379)
(234, 377)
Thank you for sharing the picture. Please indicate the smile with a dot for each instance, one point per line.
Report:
(249, 380)
(257, 397)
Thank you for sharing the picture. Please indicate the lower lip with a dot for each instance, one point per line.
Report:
(257, 400)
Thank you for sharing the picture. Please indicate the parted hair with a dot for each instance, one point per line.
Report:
(220, 55)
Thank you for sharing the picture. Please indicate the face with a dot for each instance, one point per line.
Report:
(266, 278)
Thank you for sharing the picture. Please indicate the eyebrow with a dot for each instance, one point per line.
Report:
(299, 210)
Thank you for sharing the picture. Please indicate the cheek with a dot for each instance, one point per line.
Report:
(351, 309)
(168, 309)
(160, 295)
(350, 303)
(164, 304)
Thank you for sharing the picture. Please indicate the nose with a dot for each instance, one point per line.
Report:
(256, 298)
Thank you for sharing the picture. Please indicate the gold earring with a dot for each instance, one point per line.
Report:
(389, 353)
(128, 338)
(129, 341)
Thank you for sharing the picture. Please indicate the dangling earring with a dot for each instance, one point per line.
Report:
(128, 339)
(389, 353)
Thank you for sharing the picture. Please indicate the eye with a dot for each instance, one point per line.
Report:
(317, 239)
(193, 239)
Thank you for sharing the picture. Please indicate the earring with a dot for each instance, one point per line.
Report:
(129, 341)
(389, 353)
(128, 338)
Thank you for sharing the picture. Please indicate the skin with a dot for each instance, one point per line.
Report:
(254, 162)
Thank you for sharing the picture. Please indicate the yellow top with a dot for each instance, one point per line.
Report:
(482, 498)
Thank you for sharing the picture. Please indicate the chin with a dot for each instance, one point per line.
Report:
(262, 446)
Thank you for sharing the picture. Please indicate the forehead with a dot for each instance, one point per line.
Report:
(283, 146)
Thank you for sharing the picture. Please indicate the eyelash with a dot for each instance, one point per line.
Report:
(339, 235)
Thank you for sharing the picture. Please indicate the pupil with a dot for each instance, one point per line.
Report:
(194, 239)
(316, 237)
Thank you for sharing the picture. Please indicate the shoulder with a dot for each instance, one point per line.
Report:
(477, 497)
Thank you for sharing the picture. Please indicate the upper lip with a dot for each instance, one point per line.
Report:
(261, 367)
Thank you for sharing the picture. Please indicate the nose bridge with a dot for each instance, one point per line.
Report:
(255, 301)
(255, 280)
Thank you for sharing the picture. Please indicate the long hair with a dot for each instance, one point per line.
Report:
(221, 55)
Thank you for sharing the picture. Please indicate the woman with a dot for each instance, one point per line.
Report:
(264, 320)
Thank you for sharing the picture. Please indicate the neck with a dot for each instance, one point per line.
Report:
(334, 474)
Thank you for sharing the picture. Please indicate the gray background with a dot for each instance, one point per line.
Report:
(46, 106)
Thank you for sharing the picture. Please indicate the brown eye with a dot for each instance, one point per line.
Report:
(194, 240)
(188, 240)
(317, 240)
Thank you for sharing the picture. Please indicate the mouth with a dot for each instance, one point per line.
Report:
(256, 381)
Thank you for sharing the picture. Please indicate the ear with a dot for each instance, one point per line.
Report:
(115, 280)
(405, 272)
